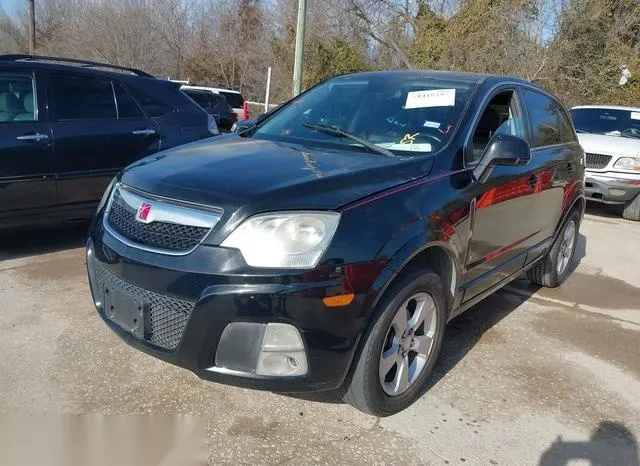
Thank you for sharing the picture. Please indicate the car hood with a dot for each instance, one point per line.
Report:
(609, 145)
(232, 172)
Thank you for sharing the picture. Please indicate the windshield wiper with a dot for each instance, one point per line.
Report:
(339, 132)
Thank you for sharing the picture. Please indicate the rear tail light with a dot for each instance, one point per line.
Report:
(245, 110)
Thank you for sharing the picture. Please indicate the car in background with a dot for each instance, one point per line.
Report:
(216, 106)
(610, 137)
(328, 246)
(235, 99)
(246, 124)
(68, 126)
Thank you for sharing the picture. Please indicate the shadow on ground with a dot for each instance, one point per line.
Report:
(466, 330)
(604, 210)
(611, 443)
(16, 244)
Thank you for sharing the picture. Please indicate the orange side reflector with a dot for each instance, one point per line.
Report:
(338, 301)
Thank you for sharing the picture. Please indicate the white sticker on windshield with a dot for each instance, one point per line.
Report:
(433, 98)
(635, 115)
(416, 147)
(431, 124)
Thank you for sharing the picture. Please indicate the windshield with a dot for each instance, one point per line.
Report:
(614, 122)
(406, 115)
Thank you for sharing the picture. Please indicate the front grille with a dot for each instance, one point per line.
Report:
(167, 233)
(167, 316)
(597, 161)
(161, 235)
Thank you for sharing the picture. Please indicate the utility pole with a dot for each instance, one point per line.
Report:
(32, 27)
(268, 93)
(298, 65)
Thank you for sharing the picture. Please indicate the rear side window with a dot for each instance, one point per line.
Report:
(127, 108)
(17, 97)
(220, 103)
(235, 100)
(151, 105)
(201, 98)
(566, 130)
(549, 124)
(82, 98)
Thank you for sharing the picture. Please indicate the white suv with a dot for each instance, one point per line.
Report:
(234, 98)
(610, 137)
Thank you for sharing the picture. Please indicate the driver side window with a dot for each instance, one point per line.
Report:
(499, 117)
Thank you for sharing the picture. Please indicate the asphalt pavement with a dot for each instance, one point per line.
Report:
(528, 377)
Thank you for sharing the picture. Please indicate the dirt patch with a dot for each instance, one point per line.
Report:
(64, 266)
(597, 336)
(592, 290)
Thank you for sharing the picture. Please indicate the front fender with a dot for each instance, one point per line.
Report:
(411, 241)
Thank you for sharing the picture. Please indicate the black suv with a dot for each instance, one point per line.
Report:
(327, 246)
(68, 126)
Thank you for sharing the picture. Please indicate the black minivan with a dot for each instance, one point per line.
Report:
(68, 126)
(326, 247)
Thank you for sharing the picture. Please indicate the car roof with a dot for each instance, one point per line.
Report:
(72, 65)
(608, 107)
(475, 78)
(207, 88)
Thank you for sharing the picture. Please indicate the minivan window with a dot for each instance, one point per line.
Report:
(17, 97)
(82, 98)
(235, 100)
(127, 107)
(545, 119)
(405, 114)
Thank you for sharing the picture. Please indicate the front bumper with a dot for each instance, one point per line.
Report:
(611, 187)
(194, 297)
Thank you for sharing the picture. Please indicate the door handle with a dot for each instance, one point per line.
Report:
(144, 132)
(569, 167)
(533, 181)
(33, 137)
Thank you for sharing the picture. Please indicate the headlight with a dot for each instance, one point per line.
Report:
(628, 163)
(294, 240)
(105, 196)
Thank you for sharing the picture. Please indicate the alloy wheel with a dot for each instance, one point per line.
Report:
(408, 344)
(566, 247)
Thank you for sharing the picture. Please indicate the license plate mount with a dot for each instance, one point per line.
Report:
(126, 310)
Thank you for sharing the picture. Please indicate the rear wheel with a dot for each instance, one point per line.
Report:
(401, 347)
(632, 209)
(555, 267)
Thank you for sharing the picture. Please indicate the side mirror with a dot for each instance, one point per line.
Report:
(503, 150)
(242, 125)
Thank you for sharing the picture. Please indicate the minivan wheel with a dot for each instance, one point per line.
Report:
(555, 266)
(632, 209)
(401, 347)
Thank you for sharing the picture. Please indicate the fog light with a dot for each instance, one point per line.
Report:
(282, 352)
(276, 363)
(617, 192)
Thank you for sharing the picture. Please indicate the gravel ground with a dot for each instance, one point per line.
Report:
(529, 376)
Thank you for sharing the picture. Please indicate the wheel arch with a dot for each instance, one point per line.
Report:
(434, 254)
(580, 203)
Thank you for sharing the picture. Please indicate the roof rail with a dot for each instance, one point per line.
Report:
(82, 63)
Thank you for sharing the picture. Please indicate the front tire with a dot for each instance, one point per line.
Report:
(401, 347)
(632, 209)
(555, 266)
